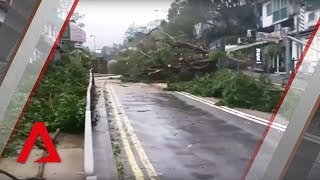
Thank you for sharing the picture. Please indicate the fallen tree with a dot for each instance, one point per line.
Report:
(156, 55)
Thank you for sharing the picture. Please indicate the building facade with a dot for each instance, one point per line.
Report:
(74, 36)
(295, 18)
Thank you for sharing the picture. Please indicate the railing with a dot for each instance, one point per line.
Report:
(88, 144)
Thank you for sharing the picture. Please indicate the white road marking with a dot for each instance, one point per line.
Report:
(274, 125)
(280, 127)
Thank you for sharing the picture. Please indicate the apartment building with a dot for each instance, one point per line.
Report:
(295, 18)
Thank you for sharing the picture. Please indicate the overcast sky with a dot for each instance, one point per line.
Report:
(109, 19)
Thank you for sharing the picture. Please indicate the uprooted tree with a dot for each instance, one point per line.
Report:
(156, 54)
(174, 51)
(169, 49)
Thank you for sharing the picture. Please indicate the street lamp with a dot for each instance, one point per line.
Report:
(94, 49)
(94, 42)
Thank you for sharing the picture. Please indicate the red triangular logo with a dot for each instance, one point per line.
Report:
(39, 129)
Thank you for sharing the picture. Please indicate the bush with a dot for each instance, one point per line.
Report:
(245, 92)
(206, 85)
(59, 100)
(235, 89)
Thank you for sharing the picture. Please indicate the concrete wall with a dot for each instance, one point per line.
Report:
(266, 20)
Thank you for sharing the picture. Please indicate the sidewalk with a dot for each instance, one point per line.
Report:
(70, 149)
(29, 169)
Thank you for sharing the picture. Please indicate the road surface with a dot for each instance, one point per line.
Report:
(165, 135)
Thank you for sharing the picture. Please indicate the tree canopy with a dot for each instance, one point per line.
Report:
(170, 46)
(222, 17)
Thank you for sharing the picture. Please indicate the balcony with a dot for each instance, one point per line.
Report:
(280, 15)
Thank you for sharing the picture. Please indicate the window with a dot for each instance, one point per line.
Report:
(269, 9)
(280, 10)
(312, 17)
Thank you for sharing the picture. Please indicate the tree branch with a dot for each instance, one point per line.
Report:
(44, 153)
(180, 44)
(145, 54)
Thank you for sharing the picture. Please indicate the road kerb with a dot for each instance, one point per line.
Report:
(259, 120)
(275, 126)
(280, 127)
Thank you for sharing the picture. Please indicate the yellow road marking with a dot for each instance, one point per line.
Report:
(134, 166)
(143, 156)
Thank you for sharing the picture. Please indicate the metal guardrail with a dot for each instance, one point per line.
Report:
(88, 143)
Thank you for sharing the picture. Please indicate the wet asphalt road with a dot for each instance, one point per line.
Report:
(185, 139)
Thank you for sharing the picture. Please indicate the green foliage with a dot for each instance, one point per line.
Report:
(60, 98)
(246, 92)
(217, 55)
(59, 101)
(207, 85)
(136, 67)
(223, 18)
(185, 74)
(235, 89)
